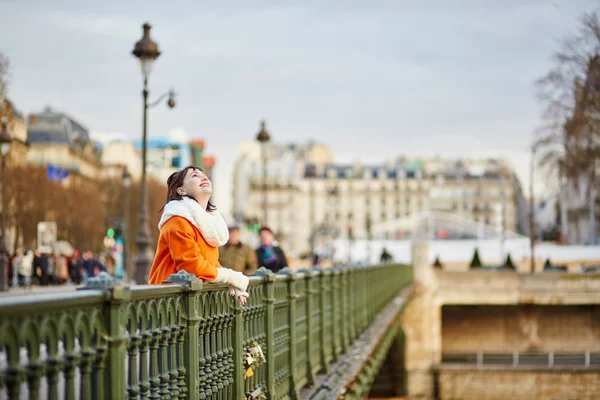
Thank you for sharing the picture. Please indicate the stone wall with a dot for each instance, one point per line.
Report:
(525, 327)
(489, 384)
(489, 287)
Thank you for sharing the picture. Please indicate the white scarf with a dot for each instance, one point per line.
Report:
(211, 225)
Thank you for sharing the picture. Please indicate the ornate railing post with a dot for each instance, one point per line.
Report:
(358, 301)
(324, 333)
(369, 270)
(269, 291)
(310, 306)
(238, 352)
(116, 336)
(335, 312)
(190, 342)
(292, 297)
(344, 308)
(351, 290)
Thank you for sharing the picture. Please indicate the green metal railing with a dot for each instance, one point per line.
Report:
(188, 341)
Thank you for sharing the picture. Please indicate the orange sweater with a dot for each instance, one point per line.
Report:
(182, 247)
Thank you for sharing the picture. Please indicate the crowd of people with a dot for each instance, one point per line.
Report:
(29, 268)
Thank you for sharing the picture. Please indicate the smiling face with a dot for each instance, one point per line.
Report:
(195, 184)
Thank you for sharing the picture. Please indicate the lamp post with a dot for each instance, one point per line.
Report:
(5, 140)
(532, 210)
(264, 138)
(125, 224)
(147, 52)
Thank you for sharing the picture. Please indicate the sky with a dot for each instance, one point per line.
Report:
(371, 79)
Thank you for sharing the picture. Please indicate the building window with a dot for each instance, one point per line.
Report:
(383, 216)
(368, 201)
(350, 216)
(397, 215)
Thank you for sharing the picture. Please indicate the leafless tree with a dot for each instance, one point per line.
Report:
(570, 92)
(4, 64)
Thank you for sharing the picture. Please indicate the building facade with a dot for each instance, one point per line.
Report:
(59, 140)
(323, 201)
(283, 163)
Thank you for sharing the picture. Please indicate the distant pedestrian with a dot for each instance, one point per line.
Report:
(270, 256)
(385, 256)
(26, 268)
(61, 269)
(91, 266)
(237, 255)
(75, 267)
(16, 266)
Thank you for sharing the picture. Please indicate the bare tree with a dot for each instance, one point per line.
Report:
(4, 64)
(570, 92)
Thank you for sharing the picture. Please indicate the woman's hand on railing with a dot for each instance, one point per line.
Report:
(238, 294)
(234, 278)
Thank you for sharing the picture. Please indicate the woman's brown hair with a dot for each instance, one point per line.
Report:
(176, 181)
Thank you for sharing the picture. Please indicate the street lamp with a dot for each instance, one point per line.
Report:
(5, 140)
(125, 225)
(147, 52)
(264, 138)
(532, 226)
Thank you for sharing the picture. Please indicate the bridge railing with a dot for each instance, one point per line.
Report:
(189, 340)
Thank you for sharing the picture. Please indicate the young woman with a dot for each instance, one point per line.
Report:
(191, 232)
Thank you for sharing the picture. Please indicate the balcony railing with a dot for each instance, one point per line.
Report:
(189, 341)
(525, 359)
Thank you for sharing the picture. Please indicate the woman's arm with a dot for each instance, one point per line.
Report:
(187, 255)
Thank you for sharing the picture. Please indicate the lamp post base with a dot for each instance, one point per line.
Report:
(143, 261)
(3, 268)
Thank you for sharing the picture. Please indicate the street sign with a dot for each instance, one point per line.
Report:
(46, 236)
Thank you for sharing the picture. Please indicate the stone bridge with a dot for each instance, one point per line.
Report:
(501, 334)
(311, 334)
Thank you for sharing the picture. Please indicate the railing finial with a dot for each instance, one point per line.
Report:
(183, 278)
(102, 281)
(262, 272)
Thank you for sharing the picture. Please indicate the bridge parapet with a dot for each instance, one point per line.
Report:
(505, 287)
(189, 340)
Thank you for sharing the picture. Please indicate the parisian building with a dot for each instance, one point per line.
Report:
(311, 201)
(58, 140)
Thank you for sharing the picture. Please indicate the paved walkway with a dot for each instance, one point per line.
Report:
(21, 291)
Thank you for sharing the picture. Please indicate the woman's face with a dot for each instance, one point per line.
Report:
(196, 184)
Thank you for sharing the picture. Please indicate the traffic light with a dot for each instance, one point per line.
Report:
(110, 232)
(252, 224)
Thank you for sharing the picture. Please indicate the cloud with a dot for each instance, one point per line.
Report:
(104, 25)
(371, 79)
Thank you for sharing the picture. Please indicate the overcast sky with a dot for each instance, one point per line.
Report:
(372, 79)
